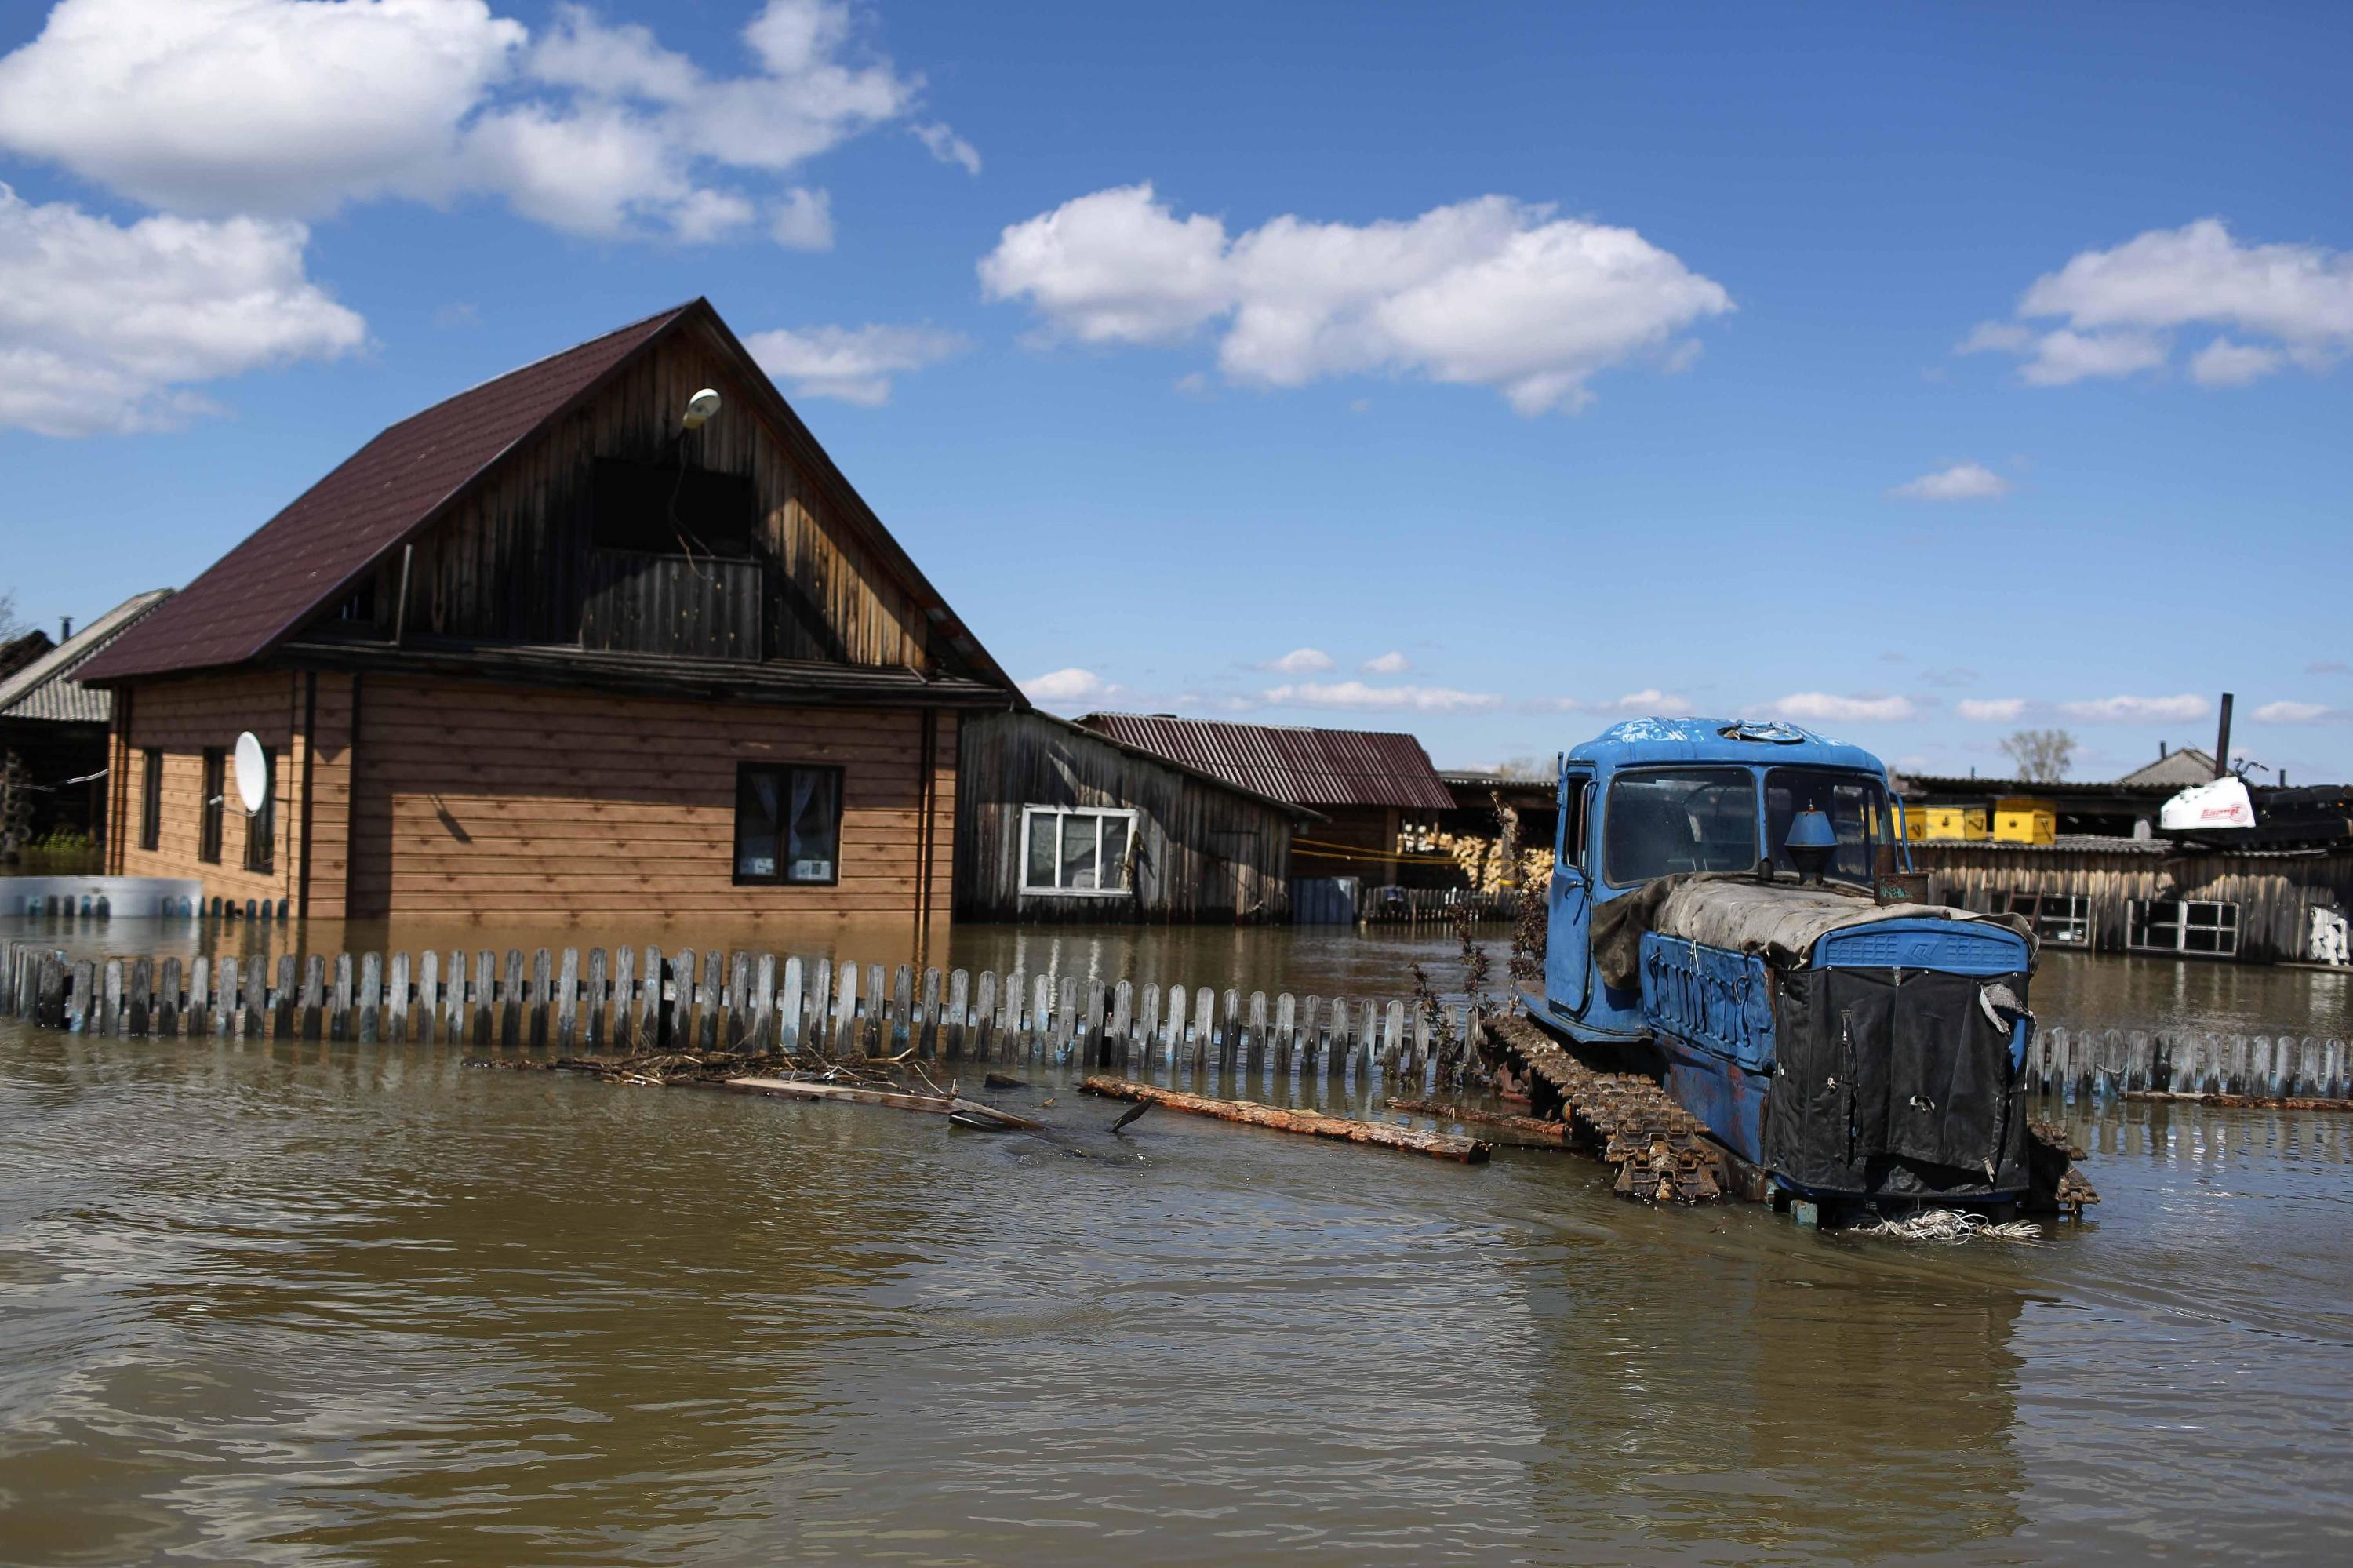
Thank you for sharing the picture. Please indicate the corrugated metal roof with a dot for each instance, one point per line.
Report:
(2178, 768)
(1303, 766)
(47, 689)
(300, 560)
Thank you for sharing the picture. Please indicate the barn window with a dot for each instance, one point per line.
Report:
(1075, 850)
(261, 827)
(208, 824)
(787, 824)
(2060, 920)
(151, 800)
(2182, 925)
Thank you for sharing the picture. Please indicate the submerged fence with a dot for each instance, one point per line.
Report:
(636, 1000)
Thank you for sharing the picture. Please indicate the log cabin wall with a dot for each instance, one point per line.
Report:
(1202, 851)
(305, 720)
(510, 803)
(515, 562)
(2275, 893)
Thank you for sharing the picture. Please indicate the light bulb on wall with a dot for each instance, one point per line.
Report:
(700, 407)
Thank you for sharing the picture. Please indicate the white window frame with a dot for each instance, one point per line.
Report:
(1032, 815)
(2049, 924)
(2214, 920)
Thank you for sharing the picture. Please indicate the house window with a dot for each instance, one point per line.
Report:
(787, 825)
(1077, 850)
(2182, 925)
(261, 827)
(2060, 920)
(151, 800)
(208, 824)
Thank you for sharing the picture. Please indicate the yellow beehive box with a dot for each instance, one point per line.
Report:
(1956, 823)
(2019, 820)
(1911, 822)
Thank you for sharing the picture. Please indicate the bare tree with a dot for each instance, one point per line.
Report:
(11, 628)
(2042, 755)
(1534, 769)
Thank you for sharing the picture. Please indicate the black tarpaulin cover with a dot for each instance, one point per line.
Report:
(1897, 1085)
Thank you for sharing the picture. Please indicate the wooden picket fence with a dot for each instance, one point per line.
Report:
(637, 1000)
(2099, 1063)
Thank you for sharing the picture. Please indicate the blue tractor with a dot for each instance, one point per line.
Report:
(1731, 913)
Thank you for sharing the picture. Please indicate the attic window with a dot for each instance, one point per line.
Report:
(664, 509)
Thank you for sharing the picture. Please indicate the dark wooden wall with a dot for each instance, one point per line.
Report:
(515, 562)
(1188, 830)
(2274, 893)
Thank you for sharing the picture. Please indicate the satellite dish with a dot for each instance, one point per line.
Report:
(700, 407)
(252, 773)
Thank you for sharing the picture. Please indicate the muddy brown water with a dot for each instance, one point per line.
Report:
(330, 1303)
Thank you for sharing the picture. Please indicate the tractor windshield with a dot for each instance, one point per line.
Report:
(1856, 805)
(1684, 819)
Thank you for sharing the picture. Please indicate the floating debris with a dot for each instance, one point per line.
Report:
(1949, 1226)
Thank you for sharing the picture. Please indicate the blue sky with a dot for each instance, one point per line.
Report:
(1485, 372)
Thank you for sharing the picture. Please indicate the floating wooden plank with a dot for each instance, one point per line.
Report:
(936, 1104)
(1551, 1134)
(1312, 1124)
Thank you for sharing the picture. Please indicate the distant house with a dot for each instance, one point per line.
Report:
(1059, 822)
(57, 725)
(1377, 792)
(555, 647)
(2173, 769)
(19, 652)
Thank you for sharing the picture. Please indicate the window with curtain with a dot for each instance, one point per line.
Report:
(1076, 850)
(208, 822)
(787, 824)
(151, 800)
(261, 827)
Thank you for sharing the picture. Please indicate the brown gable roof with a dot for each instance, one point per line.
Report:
(302, 559)
(1301, 767)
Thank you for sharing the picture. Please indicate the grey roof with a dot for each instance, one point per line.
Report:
(46, 688)
(2182, 768)
(1317, 768)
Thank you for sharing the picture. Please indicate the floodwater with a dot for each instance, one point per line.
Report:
(334, 1304)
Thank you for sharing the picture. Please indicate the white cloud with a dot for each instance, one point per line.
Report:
(2130, 709)
(1490, 291)
(292, 107)
(1300, 662)
(803, 220)
(2226, 363)
(1068, 685)
(1825, 706)
(1962, 481)
(1991, 710)
(853, 363)
(1390, 663)
(1648, 701)
(105, 326)
(1356, 695)
(2120, 308)
(948, 147)
(2289, 713)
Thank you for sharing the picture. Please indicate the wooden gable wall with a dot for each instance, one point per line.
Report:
(511, 563)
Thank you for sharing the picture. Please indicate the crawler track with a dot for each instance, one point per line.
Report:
(1660, 1151)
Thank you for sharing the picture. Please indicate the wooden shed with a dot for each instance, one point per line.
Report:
(1380, 798)
(2148, 895)
(1056, 822)
(552, 648)
(53, 727)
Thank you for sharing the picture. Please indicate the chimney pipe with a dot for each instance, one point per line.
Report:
(64, 629)
(2222, 740)
(2160, 751)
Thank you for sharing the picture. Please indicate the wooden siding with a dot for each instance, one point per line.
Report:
(2274, 893)
(491, 802)
(1013, 760)
(305, 719)
(513, 562)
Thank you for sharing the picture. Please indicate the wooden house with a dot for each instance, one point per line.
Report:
(556, 648)
(1380, 798)
(1058, 822)
(53, 727)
